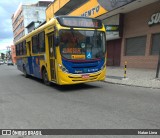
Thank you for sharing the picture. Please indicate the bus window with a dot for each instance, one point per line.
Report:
(17, 50)
(24, 48)
(29, 47)
(41, 38)
(21, 49)
(35, 44)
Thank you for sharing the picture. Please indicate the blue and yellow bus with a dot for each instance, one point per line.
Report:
(65, 50)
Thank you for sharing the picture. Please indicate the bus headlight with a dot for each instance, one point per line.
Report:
(62, 68)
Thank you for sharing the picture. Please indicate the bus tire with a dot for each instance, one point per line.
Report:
(45, 77)
(25, 72)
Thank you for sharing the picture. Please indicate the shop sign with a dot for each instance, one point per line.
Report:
(112, 32)
(112, 28)
(91, 11)
(155, 19)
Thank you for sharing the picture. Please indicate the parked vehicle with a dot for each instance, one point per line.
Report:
(9, 62)
(1, 62)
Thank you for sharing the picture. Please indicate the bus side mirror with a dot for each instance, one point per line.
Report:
(56, 41)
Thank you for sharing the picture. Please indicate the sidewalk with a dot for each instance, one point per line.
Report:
(135, 77)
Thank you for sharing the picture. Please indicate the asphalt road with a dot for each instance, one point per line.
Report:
(28, 103)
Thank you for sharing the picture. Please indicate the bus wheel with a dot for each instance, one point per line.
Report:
(25, 72)
(45, 78)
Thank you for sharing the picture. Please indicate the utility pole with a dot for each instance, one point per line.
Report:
(158, 64)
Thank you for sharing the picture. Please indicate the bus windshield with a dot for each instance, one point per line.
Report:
(82, 44)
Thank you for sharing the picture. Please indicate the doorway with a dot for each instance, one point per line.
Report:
(52, 55)
(114, 52)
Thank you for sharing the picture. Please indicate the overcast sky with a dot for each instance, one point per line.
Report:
(7, 8)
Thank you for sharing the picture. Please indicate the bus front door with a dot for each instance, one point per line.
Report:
(52, 56)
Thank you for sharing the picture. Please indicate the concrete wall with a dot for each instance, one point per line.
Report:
(24, 15)
(31, 13)
(54, 7)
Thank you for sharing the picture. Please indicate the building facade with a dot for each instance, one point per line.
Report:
(13, 54)
(141, 37)
(25, 14)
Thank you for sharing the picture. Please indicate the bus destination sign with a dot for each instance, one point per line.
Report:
(80, 22)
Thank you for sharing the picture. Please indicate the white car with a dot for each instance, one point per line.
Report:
(1, 62)
(9, 62)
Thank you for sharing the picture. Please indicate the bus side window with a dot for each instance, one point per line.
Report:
(35, 44)
(29, 48)
(21, 48)
(17, 50)
(24, 48)
(41, 38)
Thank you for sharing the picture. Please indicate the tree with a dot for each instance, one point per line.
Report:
(2, 56)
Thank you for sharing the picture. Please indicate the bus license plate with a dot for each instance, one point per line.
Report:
(85, 76)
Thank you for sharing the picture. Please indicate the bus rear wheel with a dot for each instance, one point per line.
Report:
(45, 78)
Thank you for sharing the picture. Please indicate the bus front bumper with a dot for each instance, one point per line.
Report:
(67, 79)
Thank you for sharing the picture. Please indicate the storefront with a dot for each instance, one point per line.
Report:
(114, 33)
(141, 37)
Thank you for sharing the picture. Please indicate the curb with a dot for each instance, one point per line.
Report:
(130, 85)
